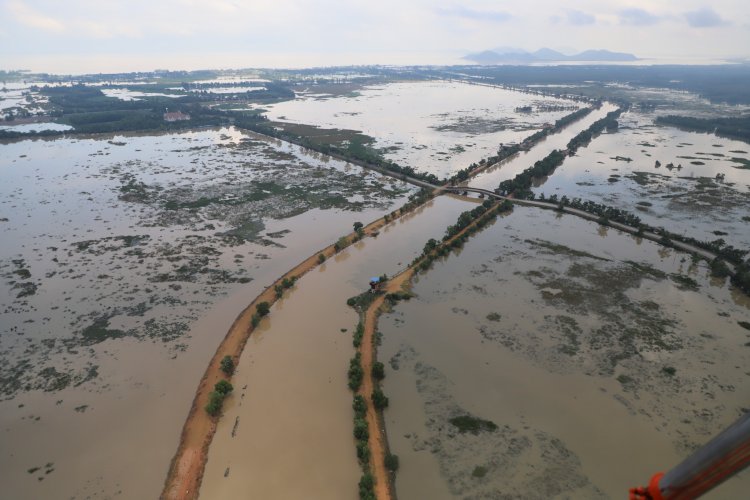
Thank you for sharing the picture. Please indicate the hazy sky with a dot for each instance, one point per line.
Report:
(111, 35)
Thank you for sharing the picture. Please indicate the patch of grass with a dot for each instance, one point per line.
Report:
(562, 249)
(493, 316)
(474, 425)
(624, 379)
(479, 472)
(99, 331)
(669, 370)
(685, 282)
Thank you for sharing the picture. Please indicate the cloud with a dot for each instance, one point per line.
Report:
(29, 17)
(638, 17)
(496, 16)
(578, 18)
(704, 18)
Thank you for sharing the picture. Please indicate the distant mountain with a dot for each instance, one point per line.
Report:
(518, 56)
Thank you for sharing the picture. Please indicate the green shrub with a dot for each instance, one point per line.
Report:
(378, 370)
(361, 430)
(474, 425)
(263, 309)
(341, 243)
(227, 365)
(321, 258)
(356, 373)
(379, 400)
(363, 452)
(367, 487)
(215, 401)
(479, 471)
(360, 406)
(255, 320)
(391, 462)
(223, 387)
(359, 333)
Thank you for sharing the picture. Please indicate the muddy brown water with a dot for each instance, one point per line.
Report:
(287, 430)
(530, 328)
(437, 126)
(619, 169)
(508, 169)
(102, 418)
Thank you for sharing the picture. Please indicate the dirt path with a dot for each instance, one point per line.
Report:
(378, 440)
(186, 469)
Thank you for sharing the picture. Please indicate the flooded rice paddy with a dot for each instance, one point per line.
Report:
(686, 182)
(436, 127)
(553, 357)
(124, 261)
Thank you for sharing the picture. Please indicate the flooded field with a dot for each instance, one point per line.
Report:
(553, 357)
(686, 182)
(508, 169)
(124, 261)
(292, 407)
(436, 127)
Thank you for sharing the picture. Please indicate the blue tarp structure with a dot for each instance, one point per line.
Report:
(376, 279)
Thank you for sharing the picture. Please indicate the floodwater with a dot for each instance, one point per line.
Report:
(124, 260)
(436, 127)
(287, 430)
(600, 358)
(619, 169)
(508, 169)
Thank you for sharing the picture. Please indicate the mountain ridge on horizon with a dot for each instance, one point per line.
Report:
(512, 55)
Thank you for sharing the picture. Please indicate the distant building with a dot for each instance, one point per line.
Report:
(176, 116)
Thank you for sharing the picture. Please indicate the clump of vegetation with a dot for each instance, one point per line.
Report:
(669, 370)
(359, 229)
(479, 472)
(744, 324)
(285, 284)
(379, 399)
(359, 333)
(474, 425)
(378, 370)
(321, 258)
(263, 309)
(342, 243)
(367, 486)
(227, 365)
(355, 373)
(493, 316)
(685, 282)
(217, 396)
(624, 379)
(719, 268)
(391, 462)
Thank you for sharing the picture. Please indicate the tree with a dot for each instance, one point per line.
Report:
(378, 370)
(379, 400)
(215, 401)
(263, 309)
(227, 365)
(361, 430)
(358, 226)
(223, 387)
(391, 462)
